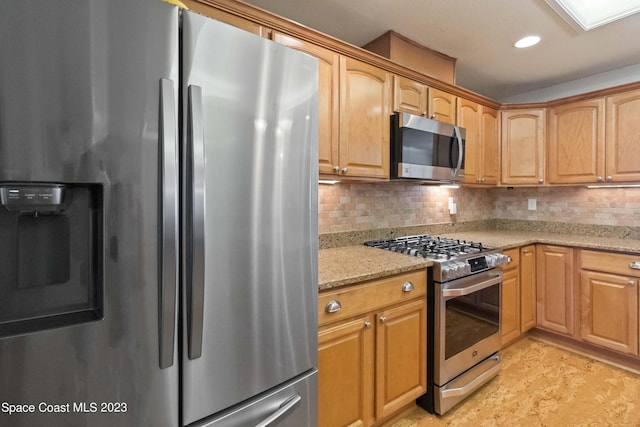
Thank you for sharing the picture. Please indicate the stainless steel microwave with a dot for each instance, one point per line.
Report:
(426, 149)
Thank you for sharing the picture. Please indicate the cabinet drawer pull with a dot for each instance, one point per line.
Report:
(635, 265)
(333, 306)
(407, 287)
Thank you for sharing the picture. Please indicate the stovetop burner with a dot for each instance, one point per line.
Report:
(452, 258)
(426, 246)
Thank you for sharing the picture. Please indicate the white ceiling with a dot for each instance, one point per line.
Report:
(480, 34)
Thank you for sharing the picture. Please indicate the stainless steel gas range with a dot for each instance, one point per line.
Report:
(463, 304)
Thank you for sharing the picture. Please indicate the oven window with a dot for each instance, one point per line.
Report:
(471, 318)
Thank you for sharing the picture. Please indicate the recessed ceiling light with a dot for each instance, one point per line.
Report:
(527, 41)
(586, 15)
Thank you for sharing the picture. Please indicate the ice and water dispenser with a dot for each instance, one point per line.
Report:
(50, 256)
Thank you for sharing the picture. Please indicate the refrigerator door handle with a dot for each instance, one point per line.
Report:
(169, 226)
(286, 407)
(195, 291)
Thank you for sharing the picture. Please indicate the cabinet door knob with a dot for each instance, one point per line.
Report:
(635, 265)
(336, 168)
(541, 181)
(383, 319)
(344, 170)
(609, 178)
(333, 306)
(407, 287)
(433, 116)
(367, 325)
(632, 283)
(599, 179)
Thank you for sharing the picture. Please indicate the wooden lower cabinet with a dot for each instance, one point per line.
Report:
(518, 293)
(555, 289)
(527, 287)
(345, 378)
(510, 302)
(401, 364)
(609, 301)
(372, 352)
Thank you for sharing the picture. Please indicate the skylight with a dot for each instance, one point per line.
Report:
(588, 14)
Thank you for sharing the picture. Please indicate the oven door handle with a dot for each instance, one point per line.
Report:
(466, 290)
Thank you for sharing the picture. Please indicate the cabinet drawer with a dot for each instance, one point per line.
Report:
(370, 296)
(514, 254)
(610, 263)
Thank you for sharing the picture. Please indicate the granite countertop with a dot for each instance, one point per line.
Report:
(353, 264)
(507, 239)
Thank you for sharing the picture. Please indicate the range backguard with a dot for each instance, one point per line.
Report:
(51, 256)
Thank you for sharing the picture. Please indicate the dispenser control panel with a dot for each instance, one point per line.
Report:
(31, 196)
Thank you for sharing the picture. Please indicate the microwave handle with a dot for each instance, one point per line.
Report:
(460, 146)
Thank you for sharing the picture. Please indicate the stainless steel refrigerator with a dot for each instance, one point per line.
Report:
(158, 219)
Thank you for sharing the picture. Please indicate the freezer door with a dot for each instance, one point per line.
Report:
(80, 86)
(251, 215)
(290, 405)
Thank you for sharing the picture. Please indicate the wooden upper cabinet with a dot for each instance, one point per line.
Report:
(413, 97)
(328, 100)
(481, 142)
(409, 96)
(365, 100)
(469, 116)
(575, 143)
(490, 143)
(441, 106)
(522, 138)
(622, 137)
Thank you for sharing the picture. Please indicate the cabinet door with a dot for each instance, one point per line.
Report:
(469, 118)
(610, 311)
(489, 168)
(510, 325)
(328, 102)
(555, 290)
(442, 106)
(409, 96)
(365, 93)
(522, 147)
(527, 287)
(401, 356)
(575, 142)
(345, 373)
(622, 130)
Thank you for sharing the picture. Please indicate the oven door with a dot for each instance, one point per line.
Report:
(467, 323)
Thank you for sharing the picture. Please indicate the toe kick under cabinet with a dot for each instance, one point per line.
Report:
(372, 349)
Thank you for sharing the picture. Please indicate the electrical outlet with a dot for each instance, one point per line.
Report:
(532, 205)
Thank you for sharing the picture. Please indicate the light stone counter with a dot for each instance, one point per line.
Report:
(353, 264)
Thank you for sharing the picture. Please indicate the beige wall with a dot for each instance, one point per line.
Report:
(356, 207)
